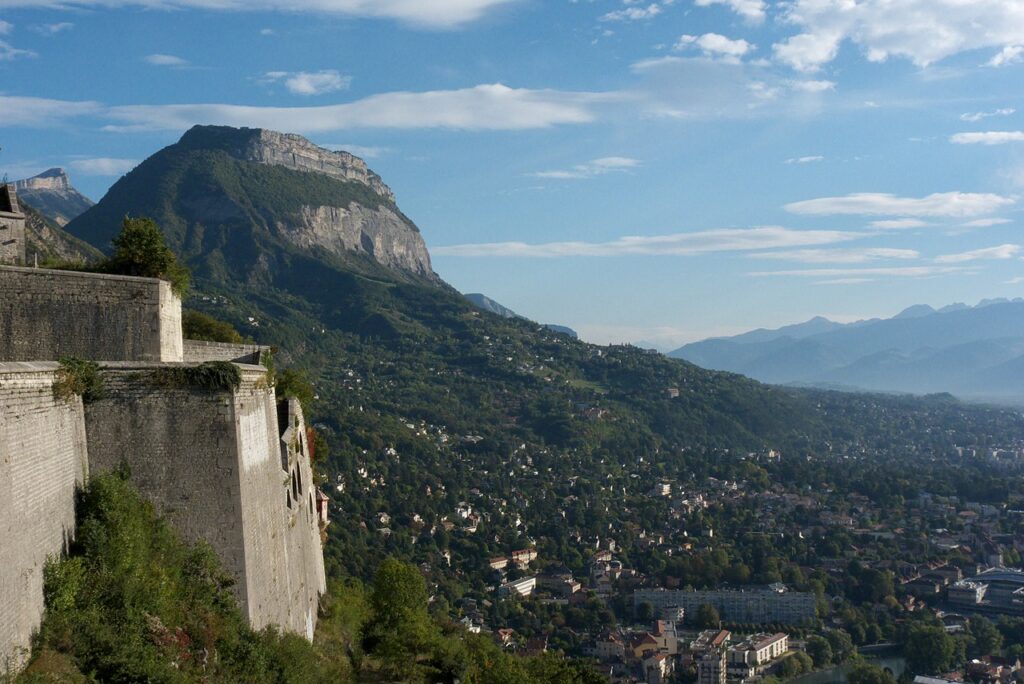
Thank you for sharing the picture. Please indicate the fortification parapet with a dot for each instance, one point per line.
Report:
(43, 460)
(48, 314)
(197, 351)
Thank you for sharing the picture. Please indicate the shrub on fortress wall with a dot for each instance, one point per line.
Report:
(199, 326)
(133, 603)
(78, 377)
(214, 376)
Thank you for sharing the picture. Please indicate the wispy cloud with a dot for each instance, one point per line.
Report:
(899, 224)
(751, 10)
(949, 204)
(1011, 54)
(715, 45)
(484, 107)
(677, 244)
(166, 60)
(103, 166)
(1007, 251)
(805, 160)
(839, 256)
(978, 116)
(310, 83)
(53, 29)
(595, 167)
(5, 27)
(846, 273)
(431, 14)
(987, 222)
(633, 13)
(988, 138)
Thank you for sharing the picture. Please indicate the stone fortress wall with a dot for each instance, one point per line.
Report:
(12, 228)
(43, 461)
(230, 467)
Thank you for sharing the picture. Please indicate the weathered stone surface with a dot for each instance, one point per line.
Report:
(198, 351)
(381, 233)
(43, 459)
(214, 463)
(47, 314)
(12, 228)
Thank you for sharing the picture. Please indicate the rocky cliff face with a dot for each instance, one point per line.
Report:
(52, 194)
(380, 233)
(45, 241)
(376, 228)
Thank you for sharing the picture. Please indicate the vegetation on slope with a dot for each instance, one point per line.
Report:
(132, 603)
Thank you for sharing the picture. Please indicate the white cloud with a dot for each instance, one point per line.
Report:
(166, 60)
(751, 10)
(846, 273)
(1015, 281)
(899, 224)
(595, 167)
(310, 83)
(811, 86)
(1007, 251)
(53, 29)
(923, 31)
(987, 222)
(839, 256)
(952, 204)
(5, 27)
(715, 45)
(9, 52)
(428, 13)
(988, 138)
(633, 13)
(484, 107)
(1011, 54)
(978, 116)
(103, 166)
(36, 112)
(805, 160)
(678, 244)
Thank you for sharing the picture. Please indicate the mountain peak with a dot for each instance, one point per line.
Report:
(53, 196)
(51, 179)
(289, 150)
(916, 311)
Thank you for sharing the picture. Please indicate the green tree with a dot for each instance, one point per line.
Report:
(929, 650)
(866, 673)
(401, 633)
(820, 651)
(707, 616)
(199, 326)
(140, 250)
(987, 639)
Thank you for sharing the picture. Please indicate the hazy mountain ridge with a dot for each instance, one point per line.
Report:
(955, 349)
(484, 302)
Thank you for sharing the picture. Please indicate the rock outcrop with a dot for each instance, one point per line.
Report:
(52, 194)
(380, 233)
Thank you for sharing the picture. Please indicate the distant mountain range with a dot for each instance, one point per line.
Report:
(487, 304)
(974, 352)
(52, 194)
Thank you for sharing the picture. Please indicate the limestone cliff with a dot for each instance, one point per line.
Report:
(52, 194)
(45, 241)
(237, 200)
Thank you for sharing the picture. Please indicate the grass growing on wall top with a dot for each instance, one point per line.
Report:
(78, 378)
(213, 376)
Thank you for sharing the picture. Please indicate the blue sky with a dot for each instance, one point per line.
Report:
(648, 170)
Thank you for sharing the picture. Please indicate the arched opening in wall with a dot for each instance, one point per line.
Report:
(295, 486)
(299, 473)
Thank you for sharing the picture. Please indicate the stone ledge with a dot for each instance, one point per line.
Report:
(79, 274)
